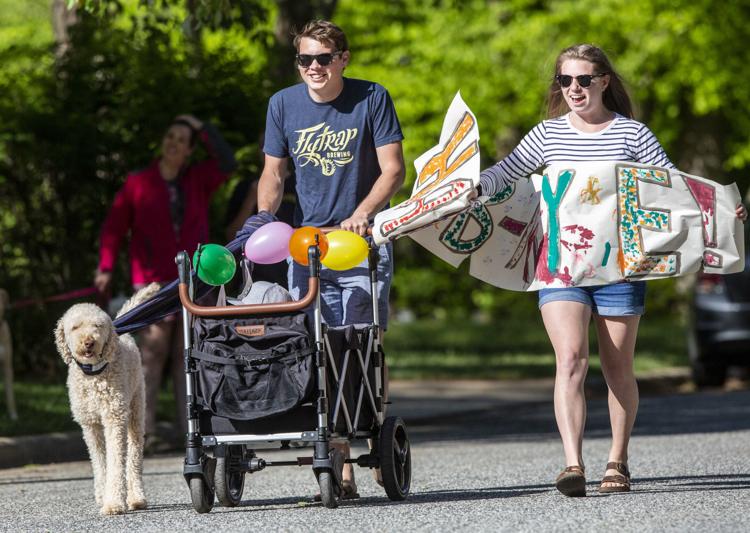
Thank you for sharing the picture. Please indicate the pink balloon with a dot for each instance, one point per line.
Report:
(269, 244)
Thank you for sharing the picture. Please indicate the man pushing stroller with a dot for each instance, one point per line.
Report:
(344, 139)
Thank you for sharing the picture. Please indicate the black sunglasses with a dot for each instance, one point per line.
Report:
(305, 60)
(584, 80)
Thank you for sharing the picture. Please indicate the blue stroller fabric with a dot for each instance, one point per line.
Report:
(167, 301)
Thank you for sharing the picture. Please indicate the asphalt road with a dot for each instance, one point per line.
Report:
(488, 471)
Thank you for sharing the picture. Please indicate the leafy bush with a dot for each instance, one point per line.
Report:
(74, 125)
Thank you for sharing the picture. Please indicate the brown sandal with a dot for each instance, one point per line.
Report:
(620, 482)
(572, 481)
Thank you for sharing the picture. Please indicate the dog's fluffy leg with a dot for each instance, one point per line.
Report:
(136, 495)
(115, 488)
(93, 436)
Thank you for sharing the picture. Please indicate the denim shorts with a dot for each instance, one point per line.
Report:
(620, 299)
(345, 295)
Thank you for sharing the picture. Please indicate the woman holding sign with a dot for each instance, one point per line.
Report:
(590, 119)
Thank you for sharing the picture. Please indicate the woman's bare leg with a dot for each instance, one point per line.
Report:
(617, 336)
(179, 387)
(567, 326)
(154, 344)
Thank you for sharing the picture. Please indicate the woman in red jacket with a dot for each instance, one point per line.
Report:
(164, 208)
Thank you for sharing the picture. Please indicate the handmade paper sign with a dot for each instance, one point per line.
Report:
(446, 175)
(594, 223)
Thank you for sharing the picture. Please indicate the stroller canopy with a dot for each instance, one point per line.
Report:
(167, 301)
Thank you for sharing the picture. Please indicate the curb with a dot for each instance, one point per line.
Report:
(42, 449)
(419, 403)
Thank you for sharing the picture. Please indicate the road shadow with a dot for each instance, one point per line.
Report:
(21, 480)
(641, 485)
(414, 498)
(463, 494)
(705, 482)
(701, 412)
(27, 481)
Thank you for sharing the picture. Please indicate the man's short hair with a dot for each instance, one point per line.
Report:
(324, 32)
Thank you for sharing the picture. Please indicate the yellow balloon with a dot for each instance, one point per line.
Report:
(345, 250)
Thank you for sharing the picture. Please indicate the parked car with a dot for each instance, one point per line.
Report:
(719, 329)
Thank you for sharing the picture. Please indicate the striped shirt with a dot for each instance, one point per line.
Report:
(556, 140)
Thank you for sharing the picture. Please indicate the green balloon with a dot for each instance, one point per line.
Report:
(214, 264)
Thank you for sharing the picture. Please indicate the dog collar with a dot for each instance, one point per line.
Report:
(93, 370)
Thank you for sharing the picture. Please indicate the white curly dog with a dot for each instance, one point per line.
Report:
(107, 398)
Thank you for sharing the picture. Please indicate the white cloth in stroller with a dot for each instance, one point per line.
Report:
(259, 292)
(263, 292)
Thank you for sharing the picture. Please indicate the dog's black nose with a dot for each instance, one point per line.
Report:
(88, 343)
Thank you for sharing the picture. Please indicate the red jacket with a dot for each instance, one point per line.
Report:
(142, 206)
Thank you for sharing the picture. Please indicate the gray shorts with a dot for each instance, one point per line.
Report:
(345, 294)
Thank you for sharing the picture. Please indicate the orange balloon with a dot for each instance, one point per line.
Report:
(302, 239)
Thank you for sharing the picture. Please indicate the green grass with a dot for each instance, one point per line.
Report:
(511, 349)
(44, 408)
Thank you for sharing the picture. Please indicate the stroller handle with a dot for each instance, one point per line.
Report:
(329, 229)
(313, 286)
(250, 309)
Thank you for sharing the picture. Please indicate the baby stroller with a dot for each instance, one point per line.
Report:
(261, 373)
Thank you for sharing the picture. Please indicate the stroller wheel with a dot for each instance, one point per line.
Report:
(201, 494)
(328, 490)
(395, 458)
(229, 478)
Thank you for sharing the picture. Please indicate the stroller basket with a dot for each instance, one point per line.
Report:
(251, 368)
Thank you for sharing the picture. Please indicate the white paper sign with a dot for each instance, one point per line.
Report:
(580, 223)
(595, 223)
(446, 175)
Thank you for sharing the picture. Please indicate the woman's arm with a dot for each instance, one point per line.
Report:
(522, 161)
(218, 148)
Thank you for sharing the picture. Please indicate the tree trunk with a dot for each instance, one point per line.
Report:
(62, 19)
(702, 148)
(293, 15)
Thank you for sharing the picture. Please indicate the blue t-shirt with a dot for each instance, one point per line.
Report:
(332, 145)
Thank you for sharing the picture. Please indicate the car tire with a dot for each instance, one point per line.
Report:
(708, 375)
(705, 373)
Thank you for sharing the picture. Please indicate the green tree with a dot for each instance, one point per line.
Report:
(86, 103)
(73, 125)
(682, 60)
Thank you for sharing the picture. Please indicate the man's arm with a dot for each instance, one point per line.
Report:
(391, 161)
(271, 183)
